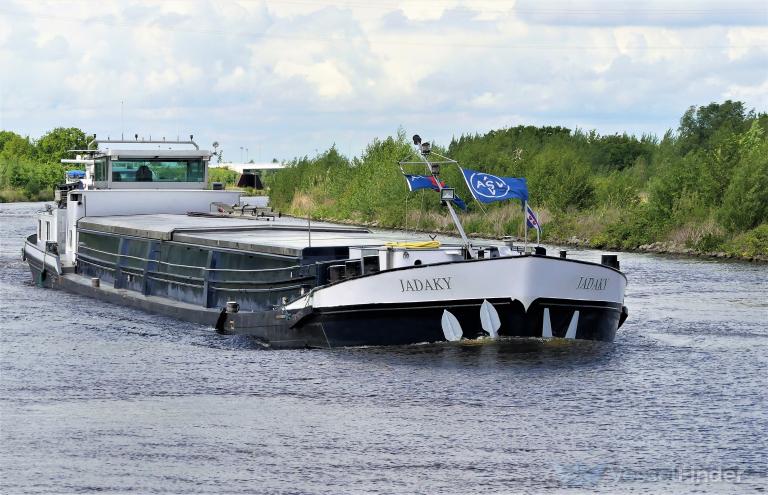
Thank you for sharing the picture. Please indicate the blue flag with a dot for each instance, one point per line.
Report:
(487, 188)
(459, 202)
(416, 182)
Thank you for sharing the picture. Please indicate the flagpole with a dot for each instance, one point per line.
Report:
(454, 216)
(525, 224)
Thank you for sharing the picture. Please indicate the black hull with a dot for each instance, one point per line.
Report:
(418, 323)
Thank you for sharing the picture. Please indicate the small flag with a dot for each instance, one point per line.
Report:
(531, 220)
(416, 182)
(487, 188)
(460, 203)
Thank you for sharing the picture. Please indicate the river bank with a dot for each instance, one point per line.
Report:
(671, 248)
(443, 226)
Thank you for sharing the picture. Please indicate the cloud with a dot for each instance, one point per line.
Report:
(286, 78)
(681, 13)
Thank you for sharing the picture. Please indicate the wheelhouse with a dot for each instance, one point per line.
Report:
(141, 169)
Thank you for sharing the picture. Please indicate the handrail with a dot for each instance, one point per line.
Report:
(152, 276)
(193, 267)
(175, 282)
(274, 289)
(90, 261)
(97, 142)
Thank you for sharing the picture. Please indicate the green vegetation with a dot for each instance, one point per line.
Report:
(224, 175)
(701, 189)
(29, 169)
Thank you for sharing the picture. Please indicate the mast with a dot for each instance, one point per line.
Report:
(423, 150)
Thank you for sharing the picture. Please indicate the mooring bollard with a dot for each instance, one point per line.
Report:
(95, 282)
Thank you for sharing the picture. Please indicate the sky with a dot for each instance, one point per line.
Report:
(280, 79)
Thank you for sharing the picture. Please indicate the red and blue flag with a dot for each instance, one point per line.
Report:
(531, 219)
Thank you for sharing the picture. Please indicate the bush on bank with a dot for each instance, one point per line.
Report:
(29, 170)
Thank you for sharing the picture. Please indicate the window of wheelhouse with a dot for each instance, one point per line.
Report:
(39, 229)
(157, 170)
(100, 169)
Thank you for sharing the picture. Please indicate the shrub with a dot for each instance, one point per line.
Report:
(745, 204)
(560, 179)
(751, 243)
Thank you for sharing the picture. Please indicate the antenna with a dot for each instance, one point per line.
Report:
(122, 121)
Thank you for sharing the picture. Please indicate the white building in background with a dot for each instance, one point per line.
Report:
(242, 168)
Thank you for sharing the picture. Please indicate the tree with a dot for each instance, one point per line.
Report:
(54, 145)
(14, 146)
(745, 204)
(699, 126)
(618, 151)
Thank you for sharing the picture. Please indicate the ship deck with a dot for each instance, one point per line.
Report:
(287, 236)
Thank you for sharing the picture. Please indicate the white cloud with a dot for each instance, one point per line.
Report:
(758, 94)
(326, 77)
(286, 78)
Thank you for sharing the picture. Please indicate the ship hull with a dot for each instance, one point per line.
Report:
(532, 296)
(420, 323)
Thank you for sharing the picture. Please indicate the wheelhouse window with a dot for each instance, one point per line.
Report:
(162, 170)
(100, 169)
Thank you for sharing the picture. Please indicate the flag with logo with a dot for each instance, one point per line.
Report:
(487, 188)
(416, 182)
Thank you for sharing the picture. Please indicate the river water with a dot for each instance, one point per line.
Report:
(96, 397)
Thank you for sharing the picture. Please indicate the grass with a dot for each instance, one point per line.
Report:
(16, 195)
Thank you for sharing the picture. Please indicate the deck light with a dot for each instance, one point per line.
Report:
(447, 194)
(426, 148)
(416, 139)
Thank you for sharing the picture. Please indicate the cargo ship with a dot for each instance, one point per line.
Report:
(143, 228)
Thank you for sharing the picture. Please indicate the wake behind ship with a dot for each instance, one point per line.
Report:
(140, 228)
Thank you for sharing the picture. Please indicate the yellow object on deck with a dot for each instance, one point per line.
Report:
(415, 244)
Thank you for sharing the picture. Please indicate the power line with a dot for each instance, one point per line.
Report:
(378, 41)
(759, 7)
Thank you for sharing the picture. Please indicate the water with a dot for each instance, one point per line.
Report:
(95, 397)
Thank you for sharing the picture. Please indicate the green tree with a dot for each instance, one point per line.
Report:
(54, 145)
(561, 179)
(14, 146)
(745, 204)
(699, 125)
